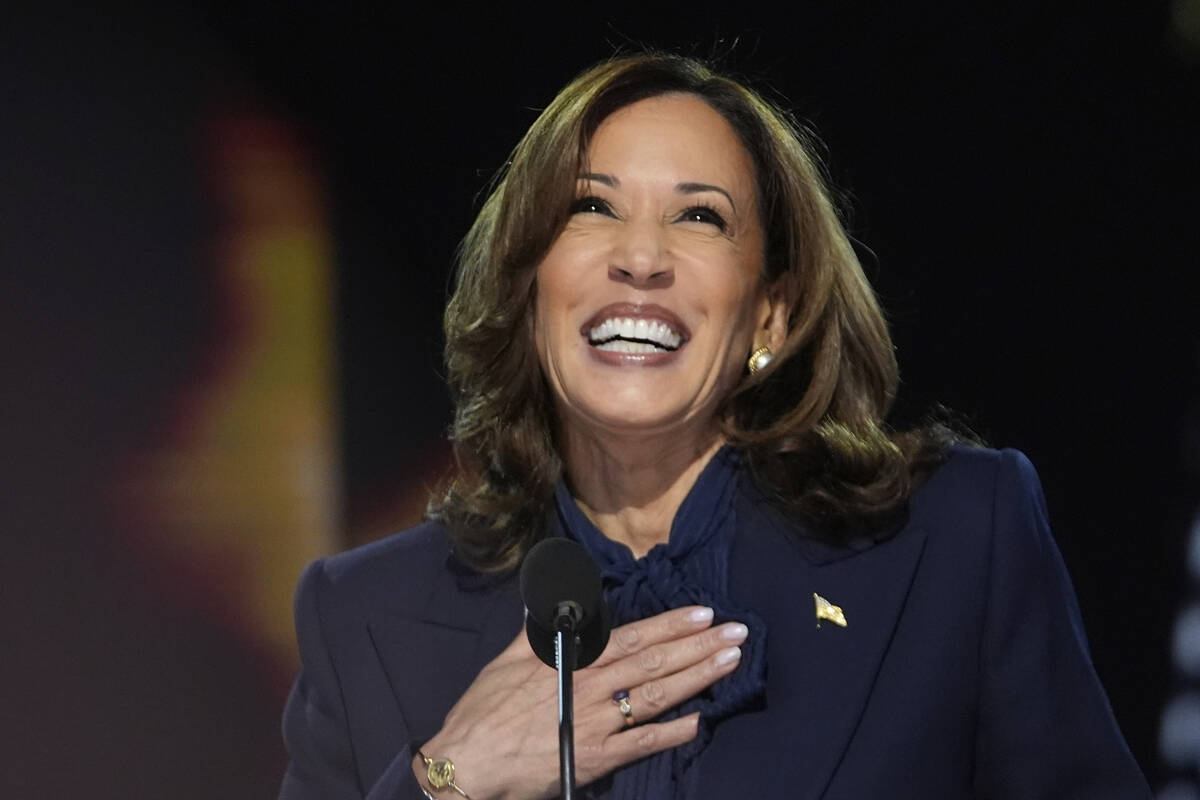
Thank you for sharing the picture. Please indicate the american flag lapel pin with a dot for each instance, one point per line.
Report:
(828, 611)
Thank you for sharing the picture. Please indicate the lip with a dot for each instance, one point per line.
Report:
(647, 311)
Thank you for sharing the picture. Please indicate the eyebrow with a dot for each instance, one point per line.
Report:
(683, 188)
(692, 188)
(600, 177)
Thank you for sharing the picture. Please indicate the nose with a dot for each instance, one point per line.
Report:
(640, 256)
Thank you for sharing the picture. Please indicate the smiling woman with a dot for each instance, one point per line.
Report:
(662, 346)
(717, 181)
(652, 295)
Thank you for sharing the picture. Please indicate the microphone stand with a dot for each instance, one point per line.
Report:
(565, 658)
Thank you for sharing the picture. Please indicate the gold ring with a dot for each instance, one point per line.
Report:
(621, 698)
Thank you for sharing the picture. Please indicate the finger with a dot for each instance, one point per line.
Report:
(644, 740)
(655, 696)
(636, 636)
(669, 657)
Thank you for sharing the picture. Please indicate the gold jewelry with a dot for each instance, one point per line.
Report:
(441, 774)
(759, 359)
(621, 698)
(828, 611)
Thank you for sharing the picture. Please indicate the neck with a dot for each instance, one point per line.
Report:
(631, 489)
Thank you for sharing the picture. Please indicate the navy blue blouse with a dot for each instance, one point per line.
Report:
(692, 568)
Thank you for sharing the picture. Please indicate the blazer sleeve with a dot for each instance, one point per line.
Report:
(1046, 729)
(316, 731)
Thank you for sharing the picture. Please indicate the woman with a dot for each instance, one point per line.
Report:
(661, 345)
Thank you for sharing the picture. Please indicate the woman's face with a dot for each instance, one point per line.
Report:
(651, 299)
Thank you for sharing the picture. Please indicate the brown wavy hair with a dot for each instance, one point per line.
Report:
(810, 424)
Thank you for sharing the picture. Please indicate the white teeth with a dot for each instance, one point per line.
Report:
(621, 346)
(652, 330)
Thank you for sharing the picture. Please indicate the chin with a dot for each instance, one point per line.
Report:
(632, 418)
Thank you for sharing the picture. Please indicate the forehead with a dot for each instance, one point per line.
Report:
(676, 135)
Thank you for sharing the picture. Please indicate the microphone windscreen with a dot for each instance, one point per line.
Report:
(590, 640)
(557, 570)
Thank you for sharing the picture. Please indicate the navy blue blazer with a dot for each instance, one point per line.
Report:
(962, 672)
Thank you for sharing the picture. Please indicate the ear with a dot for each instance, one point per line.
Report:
(772, 320)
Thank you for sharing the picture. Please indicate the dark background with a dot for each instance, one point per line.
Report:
(1021, 179)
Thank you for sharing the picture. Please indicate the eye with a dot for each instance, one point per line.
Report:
(592, 205)
(704, 214)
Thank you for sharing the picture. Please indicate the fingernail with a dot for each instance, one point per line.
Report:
(701, 615)
(735, 632)
(728, 656)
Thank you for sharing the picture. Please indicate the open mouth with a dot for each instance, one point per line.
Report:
(635, 335)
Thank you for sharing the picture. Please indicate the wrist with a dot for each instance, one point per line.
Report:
(437, 775)
(419, 772)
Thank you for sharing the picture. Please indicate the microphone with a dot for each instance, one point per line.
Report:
(567, 624)
(560, 587)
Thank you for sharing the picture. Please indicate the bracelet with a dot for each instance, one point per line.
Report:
(440, 775)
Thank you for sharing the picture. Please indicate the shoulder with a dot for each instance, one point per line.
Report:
(980, 511)
(399, 571)
(983, 518)
(959, 505)
(976, 483)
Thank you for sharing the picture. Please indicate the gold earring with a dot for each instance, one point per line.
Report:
(759, 359)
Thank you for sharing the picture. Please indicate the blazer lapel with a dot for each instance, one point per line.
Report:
(819, 675)
(431, 657)
(840, 664)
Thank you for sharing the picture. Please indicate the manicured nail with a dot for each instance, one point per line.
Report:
(734, 633)
(728, 656)
(701, 615)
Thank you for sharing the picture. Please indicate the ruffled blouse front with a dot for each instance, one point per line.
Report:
(692, 568)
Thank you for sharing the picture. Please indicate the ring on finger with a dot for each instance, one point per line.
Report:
(621, 698)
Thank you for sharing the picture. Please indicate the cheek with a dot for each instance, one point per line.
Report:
(550, 278)
(550, 307)
(564, 282)
(538, 324)
(738, 301)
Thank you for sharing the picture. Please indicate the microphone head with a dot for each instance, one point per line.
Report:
(590, 640)
(555, 571)
(559, 570)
